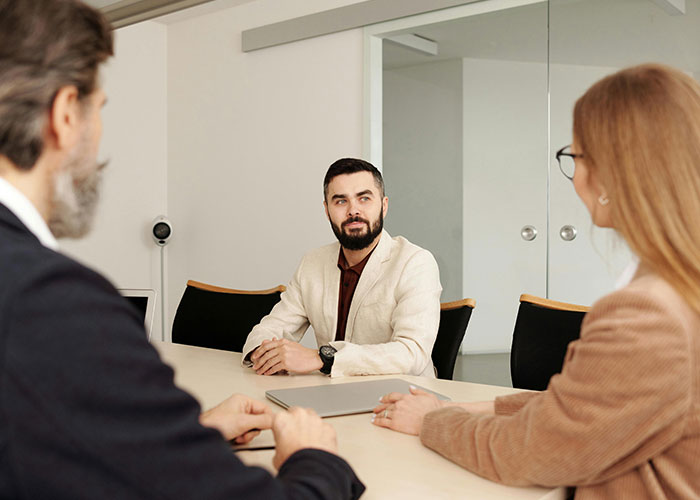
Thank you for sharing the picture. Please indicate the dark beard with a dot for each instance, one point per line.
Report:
(360, 241)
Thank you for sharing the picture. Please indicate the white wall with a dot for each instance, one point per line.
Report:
(250, 136)
(134, 141)
(422, 148)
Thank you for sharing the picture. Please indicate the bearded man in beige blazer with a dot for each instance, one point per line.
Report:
(372, 300)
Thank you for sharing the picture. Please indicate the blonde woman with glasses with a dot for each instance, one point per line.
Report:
(622, 420)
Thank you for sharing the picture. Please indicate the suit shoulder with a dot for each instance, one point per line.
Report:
(323, 252)
(23, 263)
(410, 250)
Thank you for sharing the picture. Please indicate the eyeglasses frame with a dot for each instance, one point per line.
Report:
(561, 153)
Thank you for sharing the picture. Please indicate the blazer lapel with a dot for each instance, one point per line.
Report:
(331, 281)
(368, 279)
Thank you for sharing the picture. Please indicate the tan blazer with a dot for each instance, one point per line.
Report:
(393, 318)
(621, 421)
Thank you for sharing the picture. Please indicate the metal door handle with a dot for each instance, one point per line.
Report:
(528, 233)
(567, 233)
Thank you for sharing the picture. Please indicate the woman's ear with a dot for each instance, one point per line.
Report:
(602, 214)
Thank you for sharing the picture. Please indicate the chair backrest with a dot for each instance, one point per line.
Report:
(543, 330)
(220, 318)
(454, 317)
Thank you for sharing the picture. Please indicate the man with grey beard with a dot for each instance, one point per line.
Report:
(87, 409)
(76, 192)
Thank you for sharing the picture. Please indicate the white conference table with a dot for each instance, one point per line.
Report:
(390, 464)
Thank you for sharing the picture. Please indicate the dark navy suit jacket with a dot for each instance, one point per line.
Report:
(88, 410)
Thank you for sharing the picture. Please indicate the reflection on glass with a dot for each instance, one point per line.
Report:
(470, 138)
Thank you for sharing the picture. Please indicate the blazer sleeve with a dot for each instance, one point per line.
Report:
(288, 319)
(508, 405)
(90, 411)
(414, 326)
(619, 401)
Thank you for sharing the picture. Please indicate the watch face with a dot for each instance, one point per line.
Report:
(327, 351)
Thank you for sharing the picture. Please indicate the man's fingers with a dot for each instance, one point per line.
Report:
(246, 438)
(259, 408)
(274, 370)
(263, 348)
(267, 363)
(272, 353)
(263, 421)
(262, 357)
(247, 422)
(259, 351)
(299, 410)
(271, 367)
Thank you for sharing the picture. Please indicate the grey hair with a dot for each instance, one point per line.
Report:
(44, 45)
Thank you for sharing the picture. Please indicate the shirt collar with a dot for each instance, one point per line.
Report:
(27, 213)
(627, 274)
(357, 268)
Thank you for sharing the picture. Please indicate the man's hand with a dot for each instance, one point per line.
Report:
(274, 356)
(301, 428)
(239, 418)
(405, 412)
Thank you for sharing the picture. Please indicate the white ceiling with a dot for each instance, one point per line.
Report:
(584, 32)
(104, 3)
(180, 13)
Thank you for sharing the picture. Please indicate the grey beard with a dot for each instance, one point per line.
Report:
(74, 203)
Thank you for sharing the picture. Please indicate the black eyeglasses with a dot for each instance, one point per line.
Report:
(567, 163)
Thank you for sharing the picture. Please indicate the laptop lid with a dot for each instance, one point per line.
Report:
(144, 301)
(330, 400)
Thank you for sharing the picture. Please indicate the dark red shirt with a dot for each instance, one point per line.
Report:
(349, 277)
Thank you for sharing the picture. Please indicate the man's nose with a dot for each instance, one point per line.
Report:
(353, 208)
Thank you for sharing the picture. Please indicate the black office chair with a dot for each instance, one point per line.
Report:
(220, 318)
(454, 317)
(543, 330)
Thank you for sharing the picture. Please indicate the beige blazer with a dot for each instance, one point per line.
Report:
(621, 421)
(393, 318)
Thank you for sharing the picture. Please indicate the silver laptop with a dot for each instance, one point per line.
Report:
(144, 301)
(331, 400)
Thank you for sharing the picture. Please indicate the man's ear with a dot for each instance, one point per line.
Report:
(385, 206)
(64, 118)
(325, 207)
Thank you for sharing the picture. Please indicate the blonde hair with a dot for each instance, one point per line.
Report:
(639, 130)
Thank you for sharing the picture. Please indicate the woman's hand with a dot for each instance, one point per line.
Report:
(405, 412)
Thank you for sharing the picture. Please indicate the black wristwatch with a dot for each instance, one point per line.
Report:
(327, 354)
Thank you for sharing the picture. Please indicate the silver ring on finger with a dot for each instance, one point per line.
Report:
(386, 414)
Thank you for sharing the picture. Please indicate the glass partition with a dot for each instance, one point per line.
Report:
(588, 40)
(469, 134)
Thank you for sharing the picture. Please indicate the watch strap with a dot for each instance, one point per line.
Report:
(327, 359)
